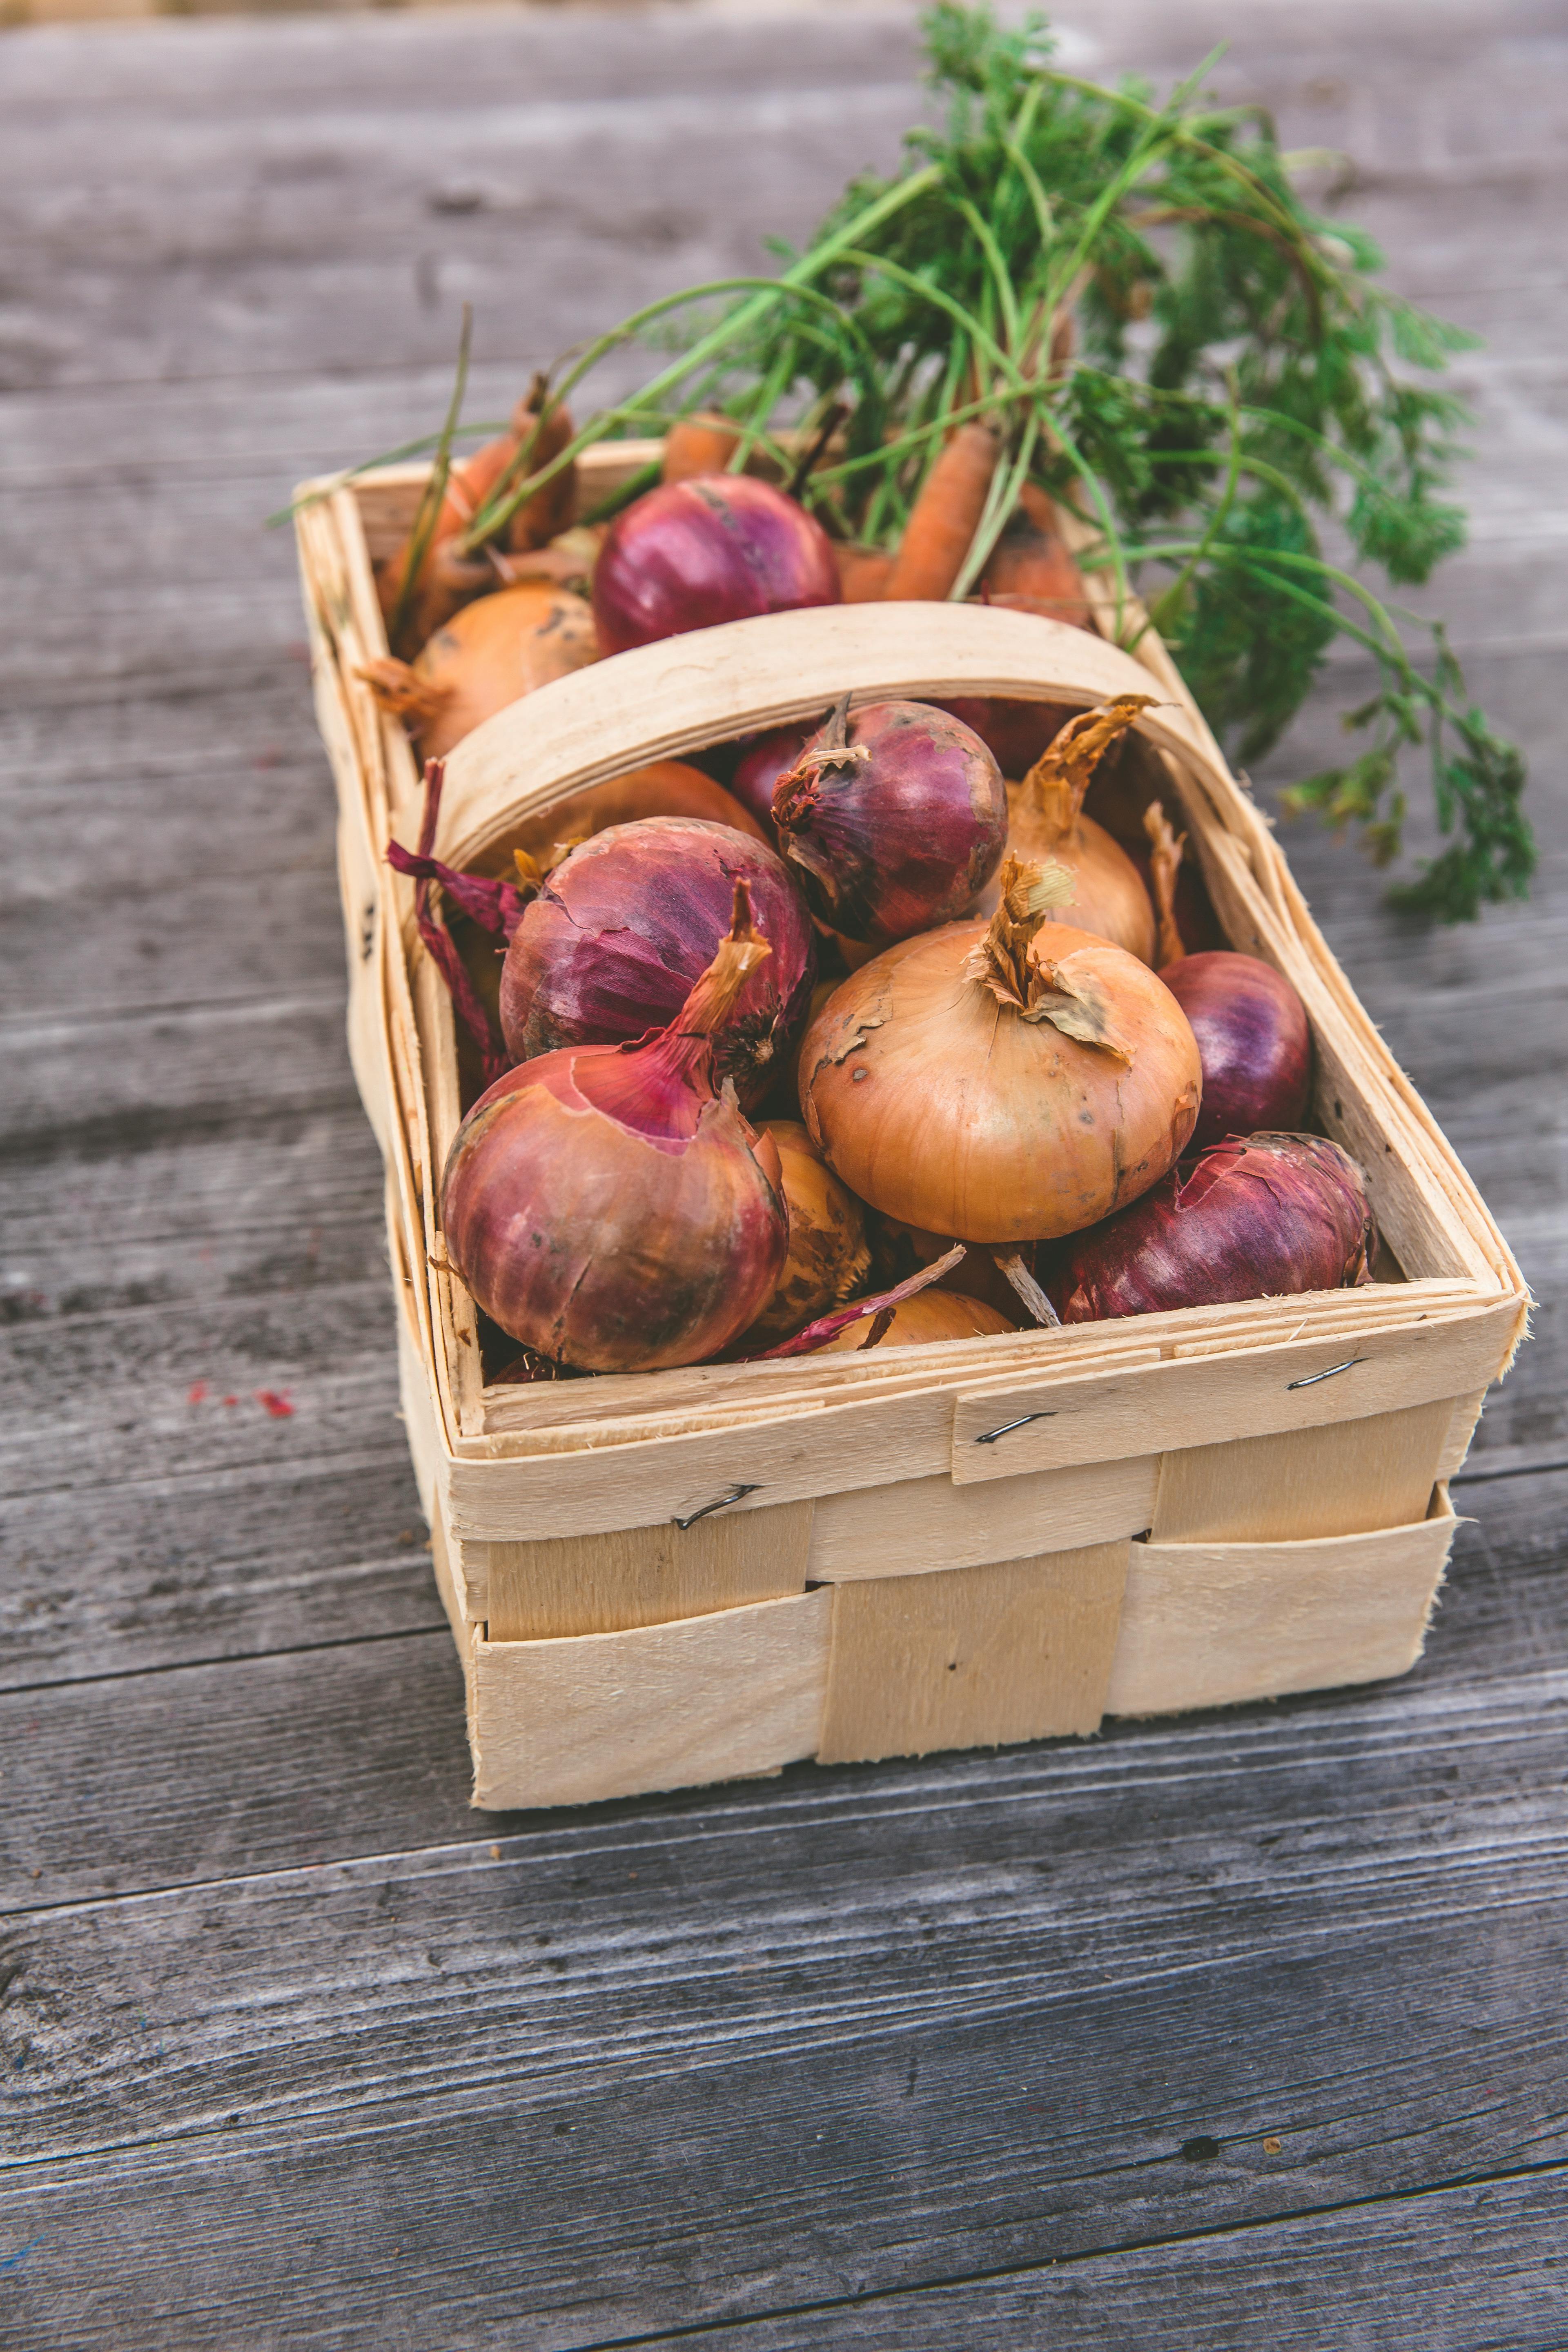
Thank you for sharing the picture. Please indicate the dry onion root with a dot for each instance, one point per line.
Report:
(1046, 821)
(608, 1207)
(1002, 1082)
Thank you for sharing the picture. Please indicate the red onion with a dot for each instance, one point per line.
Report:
(1015, 733)
(622, 928)
(718, 546)
(764, 762)
(608, 1207)
(1253, 1041)
(893, 818)
(1255, 1218)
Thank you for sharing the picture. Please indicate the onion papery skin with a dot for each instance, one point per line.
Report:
(828, 1255)
(495, 651)
(693, 554)
(623, 928)
(898, 1250)
(605, 1207)
(757, 773)
(1253, 1040)
(929, 1315)
(888, 844)
(949, 1110)
(1257, 1217)
(1108, 897)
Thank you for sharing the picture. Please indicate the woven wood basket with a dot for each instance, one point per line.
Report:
(680, 1577)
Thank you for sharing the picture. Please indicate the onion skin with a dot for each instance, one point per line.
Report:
(943, 1106)
(828, 1257)
(1263, 1216)
(760, 769)
(1108, 897)
(664, 788)
(1015, 733)
(491, 654)
(929, 1315)
(900, 835)
(1253, 1041)
(608, 1208)
(625, 926)
(692, 555)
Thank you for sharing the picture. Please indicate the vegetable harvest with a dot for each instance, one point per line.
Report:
(1085, 302)
(898, 993)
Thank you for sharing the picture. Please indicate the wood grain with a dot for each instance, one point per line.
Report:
(843, 2031)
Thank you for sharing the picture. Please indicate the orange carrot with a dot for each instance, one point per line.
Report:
(1031, 560)
(446, 581)
(699, 444)
(863, 573)
(946, 515)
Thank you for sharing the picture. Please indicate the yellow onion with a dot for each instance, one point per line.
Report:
(916, 1322)
(1046, 821)
(828, 1258)
(1004, 1082)
(491, 654)
(607, 1206)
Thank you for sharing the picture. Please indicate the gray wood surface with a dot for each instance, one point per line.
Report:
(1242, 2029)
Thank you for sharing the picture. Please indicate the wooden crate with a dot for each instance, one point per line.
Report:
(660, 1580)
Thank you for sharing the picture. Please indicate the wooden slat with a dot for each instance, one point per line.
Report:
(1208, 1624)
(1345, 1479)
(925, 1525)
(666, 1706)
(643, 1576)
(1020, 1649)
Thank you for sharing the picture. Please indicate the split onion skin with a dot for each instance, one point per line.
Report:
(828, 1255)
(929, 1315)
(491, 653)
(625, 926)
(605, 1206)
(1253, 1041)
(901, 837)
(695, 553)
(1263, 1216)
(948, 1110)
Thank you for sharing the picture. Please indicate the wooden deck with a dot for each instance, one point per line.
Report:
(1245, 2029)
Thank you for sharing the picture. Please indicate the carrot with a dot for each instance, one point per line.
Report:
(1031, 560)
(946, 516)
(446, 581)
(703, 443)
(863, 573)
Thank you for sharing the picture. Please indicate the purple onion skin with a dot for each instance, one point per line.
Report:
(715, 548)
(1256, 1217)
(625, 926)
(1253, 1041)
(891, 846)
(764, 760)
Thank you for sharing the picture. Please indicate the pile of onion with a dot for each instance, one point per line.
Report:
(709, 549)
(1256, 1217)
(1046, 824)
(1002, 1082)
(492, 653)
(893, 817)
(610, 1206)
(623, 926)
